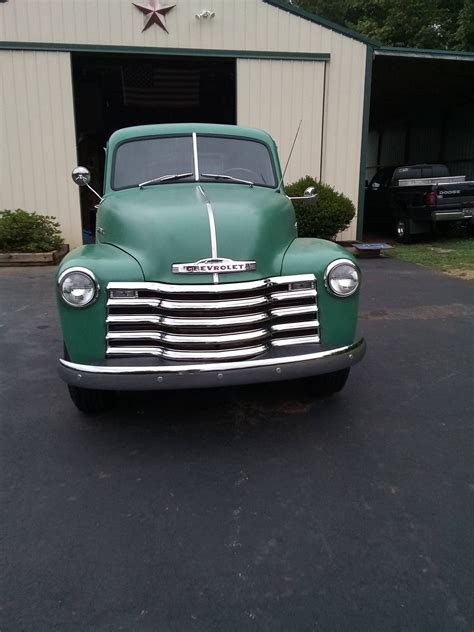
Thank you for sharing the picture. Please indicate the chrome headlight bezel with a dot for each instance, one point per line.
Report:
(85, 272)
(331, 269)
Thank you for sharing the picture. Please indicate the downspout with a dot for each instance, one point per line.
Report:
(364, 140)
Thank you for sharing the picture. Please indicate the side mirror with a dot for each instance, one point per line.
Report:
(310, 195)
(82, 177)
(375, 186)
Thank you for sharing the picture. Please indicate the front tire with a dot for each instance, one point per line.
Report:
(90, 401)
(331, 383)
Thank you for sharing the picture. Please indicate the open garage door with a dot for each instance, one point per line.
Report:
(421, 112)
(115, 91)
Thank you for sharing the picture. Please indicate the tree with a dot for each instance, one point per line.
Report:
(442, 24)
(463, 38)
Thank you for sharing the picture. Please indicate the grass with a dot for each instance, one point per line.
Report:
(453, 256)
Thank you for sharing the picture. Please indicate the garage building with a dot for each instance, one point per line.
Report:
(73, 72)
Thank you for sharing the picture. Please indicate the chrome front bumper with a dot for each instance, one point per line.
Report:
(117, 375)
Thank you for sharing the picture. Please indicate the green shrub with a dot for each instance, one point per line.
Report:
(28, 232)
(329, 215)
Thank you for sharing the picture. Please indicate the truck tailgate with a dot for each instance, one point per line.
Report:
(456, 196)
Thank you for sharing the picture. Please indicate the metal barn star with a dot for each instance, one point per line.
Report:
(154, 13)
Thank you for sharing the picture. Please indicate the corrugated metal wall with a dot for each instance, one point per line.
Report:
(237, 25)
(300, 86)
(372, 151)
(392, 148)
(425, 140)
(38, 143)
(449, 141)
(459, 148)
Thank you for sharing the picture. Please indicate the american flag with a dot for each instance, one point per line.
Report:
(148, 85)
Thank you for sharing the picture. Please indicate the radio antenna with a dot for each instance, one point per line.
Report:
(291, 152)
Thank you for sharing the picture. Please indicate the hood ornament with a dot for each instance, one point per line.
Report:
(217, 265)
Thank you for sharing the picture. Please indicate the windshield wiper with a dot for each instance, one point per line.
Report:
(221, 176)
(174, 176)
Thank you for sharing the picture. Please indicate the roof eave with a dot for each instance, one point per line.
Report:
(306, 15)
(427, 53)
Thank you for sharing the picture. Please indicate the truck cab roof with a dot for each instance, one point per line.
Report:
(407, 172)
(171, 129)
(422, 170)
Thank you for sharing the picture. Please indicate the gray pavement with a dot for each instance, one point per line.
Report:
(251, 508)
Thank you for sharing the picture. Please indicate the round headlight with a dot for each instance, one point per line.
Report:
(342, 277)
(78, 287)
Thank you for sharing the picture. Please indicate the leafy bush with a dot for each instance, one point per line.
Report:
(329, 215)
(21, 231)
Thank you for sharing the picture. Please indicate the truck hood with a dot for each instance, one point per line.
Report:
(171, 223)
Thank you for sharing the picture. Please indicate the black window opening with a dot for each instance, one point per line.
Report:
(116, 91)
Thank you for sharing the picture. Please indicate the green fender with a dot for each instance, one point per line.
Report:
(337, 316)
(84, 328)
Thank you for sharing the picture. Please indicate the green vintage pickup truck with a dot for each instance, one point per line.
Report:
(197, 277)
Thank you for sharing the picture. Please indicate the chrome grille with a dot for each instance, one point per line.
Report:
(207, 322)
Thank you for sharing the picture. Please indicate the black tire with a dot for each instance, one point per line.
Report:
(90, 401)
(402, 230)
(470, 229)
(331, 383)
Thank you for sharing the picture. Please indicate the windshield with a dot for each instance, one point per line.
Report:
(163, 160)
(148, 158)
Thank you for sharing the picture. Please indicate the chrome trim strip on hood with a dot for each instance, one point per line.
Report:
(212, 228)
(196, 157)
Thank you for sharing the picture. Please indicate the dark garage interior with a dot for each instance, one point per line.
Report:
(115, 91)
(421, 112)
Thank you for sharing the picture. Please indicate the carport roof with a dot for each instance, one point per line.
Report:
(427, 53)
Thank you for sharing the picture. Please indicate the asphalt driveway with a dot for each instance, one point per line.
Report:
(255, 508)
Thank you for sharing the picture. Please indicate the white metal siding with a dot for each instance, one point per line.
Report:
(237, 25)
(38, 147)
(299, 86)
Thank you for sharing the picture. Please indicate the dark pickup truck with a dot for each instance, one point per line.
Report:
(414, 199)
